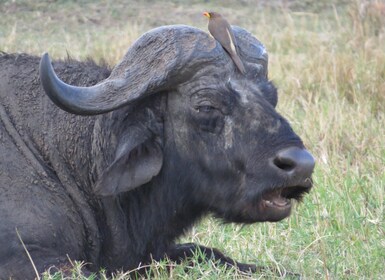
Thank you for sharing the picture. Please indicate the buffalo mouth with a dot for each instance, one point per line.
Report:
(276, 204)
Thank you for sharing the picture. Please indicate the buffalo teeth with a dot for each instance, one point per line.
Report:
(269, 203)
(272, 204)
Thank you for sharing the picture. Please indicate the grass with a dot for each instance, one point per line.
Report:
(328, 60)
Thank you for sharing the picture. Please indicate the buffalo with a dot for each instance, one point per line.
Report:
(110, 167)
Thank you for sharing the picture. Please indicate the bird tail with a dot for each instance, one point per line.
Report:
(238, 62)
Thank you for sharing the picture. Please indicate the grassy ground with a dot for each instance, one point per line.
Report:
(328, 60)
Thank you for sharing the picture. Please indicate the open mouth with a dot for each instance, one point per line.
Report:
(277, 203)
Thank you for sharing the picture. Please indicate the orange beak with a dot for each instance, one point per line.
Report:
(206, 14)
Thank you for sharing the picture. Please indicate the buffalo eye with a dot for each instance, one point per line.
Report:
(205, 109)
(208, 118)
(208, 109)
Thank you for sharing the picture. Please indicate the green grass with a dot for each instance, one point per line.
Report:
(329, 65)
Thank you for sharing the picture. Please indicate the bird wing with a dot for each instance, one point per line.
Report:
(220, 29)
(222, 32)
(232, 41)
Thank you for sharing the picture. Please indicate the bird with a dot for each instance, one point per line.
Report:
(221, 30)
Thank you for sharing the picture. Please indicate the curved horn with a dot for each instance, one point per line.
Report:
(73, 99)
(160, 59)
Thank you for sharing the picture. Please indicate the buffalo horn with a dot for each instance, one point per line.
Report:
(159, 60)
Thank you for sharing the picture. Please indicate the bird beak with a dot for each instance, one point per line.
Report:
(206, 14)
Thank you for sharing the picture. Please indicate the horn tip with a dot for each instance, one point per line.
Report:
(45, 59)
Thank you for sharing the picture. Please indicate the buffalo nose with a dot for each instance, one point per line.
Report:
(296, 162)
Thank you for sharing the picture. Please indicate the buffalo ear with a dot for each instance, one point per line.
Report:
(269, 92)
(132, 168)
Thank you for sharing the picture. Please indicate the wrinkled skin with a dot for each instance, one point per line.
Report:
(117, 189)
(232, 168)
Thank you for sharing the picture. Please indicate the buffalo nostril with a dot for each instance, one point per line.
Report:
(296, 161)
(284, 163)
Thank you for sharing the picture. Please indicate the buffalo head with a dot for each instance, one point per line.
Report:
(211, 131)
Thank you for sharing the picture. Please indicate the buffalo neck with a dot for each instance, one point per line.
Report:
(145, 222)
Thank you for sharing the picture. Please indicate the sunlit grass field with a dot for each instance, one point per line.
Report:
(327, 59)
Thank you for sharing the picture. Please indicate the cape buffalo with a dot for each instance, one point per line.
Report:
(172, 133)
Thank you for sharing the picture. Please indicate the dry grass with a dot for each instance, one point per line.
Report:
(329, 63)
